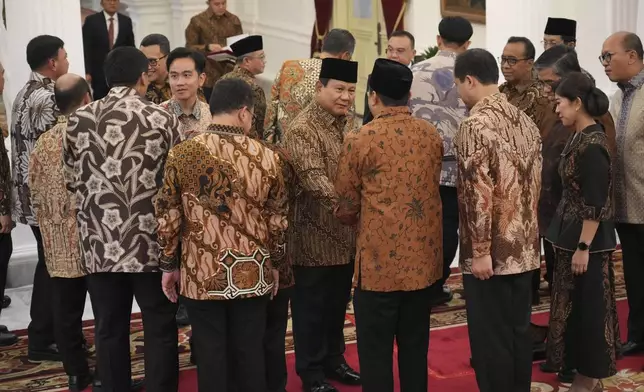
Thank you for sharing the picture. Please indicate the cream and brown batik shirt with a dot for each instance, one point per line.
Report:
(54, 205)
(259, 99)
(499, 179)
(314, 142)
(224, 199)
(191, 124)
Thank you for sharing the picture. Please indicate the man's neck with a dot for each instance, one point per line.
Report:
(188, 105)
(225, 119)
(47, 74)
(247, 70)
(636, 72)
(521, 84)
(161, 82)
(109, 13)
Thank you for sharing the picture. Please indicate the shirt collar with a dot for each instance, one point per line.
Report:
(636, 82)
(175, 109)
(38, 77)
(108, 16)
(487, 101)
(225, 129)
(393, 110)
(326, 117)
(244, 71)
(447, 53)
(122, 91)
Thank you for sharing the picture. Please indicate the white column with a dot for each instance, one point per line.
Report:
(151, 17)
(182, 11)
(528, 20)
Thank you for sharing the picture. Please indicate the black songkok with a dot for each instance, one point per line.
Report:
(247, 45)
(391, 79)
(343, 70)
(561, 26)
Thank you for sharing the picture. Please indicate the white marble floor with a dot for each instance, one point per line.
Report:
(16, 316)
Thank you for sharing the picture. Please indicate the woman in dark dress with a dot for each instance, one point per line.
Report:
(581, 333)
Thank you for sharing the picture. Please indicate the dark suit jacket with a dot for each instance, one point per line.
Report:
(367, 116)
(96, 47)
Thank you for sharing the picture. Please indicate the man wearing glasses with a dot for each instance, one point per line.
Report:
(251, 61)
(526, 92)
(156, 48)
(622, 60)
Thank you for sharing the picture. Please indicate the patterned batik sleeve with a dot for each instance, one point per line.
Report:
(348, 181)
(169, 215)
(193, 36)
(69, 158)
(476, 185)
(595, 182)
(35, 179)
(43, 103)
(309, 165)
(5, 179)
(271, 126)
(275, 211)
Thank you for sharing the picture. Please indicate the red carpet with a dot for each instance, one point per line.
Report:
(449, 368)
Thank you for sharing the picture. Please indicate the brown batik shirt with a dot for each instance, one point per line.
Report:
(114, 152)
(533, 101)
(207, 28)
(499, 179)
(387, 182)
(55, 207)
(259, 98)
(191, 124)
(223, 198)
(314, 142)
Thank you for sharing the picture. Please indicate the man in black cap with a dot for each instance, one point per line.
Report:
(323, 249)
(401, 246)
(562, 31)
(251, 61)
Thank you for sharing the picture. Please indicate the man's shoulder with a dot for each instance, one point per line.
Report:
(124, 18)
(233, 18)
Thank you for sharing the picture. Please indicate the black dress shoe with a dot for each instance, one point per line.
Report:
(42, 354)
(320, 386)
(567, 375)
(7, 338)
(544, 367)
(79, 383)
(6, 301)
(631, 348)
(344, 374)
(442, 296)
(137, 385)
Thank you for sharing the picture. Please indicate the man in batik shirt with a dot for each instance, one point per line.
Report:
(524, 90)
(116, 167)
(499, 165)
(207, 33)
(186, 76)
(34, 112)
(156, 48)
(294, 86)
(324, 248)
(56, 214)
(211, 185)
(6, 223)
(251, 61)
(434, 98)
(392, 192)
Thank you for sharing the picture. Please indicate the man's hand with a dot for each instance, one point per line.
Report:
(169, 282)
(5, 224)
(276, 282)
(482, 267)
(88, 77)
(214, 47)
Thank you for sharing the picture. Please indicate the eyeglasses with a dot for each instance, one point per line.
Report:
(551, 43)
(511, 61)
(605, 58)
(153, 63)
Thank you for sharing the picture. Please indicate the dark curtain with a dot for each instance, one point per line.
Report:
(394, 13)
(323, 14)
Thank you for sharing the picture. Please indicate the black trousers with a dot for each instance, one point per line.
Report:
(550, 257)
(498, 319)
(449, 200)
(229, 333)
(631, 238)
(6, 249)
(112, 295)
(319, 307)
(275, 341)
(383, 317)
(41, 328)
(68, 298)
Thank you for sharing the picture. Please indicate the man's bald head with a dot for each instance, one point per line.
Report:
(622, 56)
(71, 91)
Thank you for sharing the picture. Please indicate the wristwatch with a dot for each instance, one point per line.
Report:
(583, 246)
